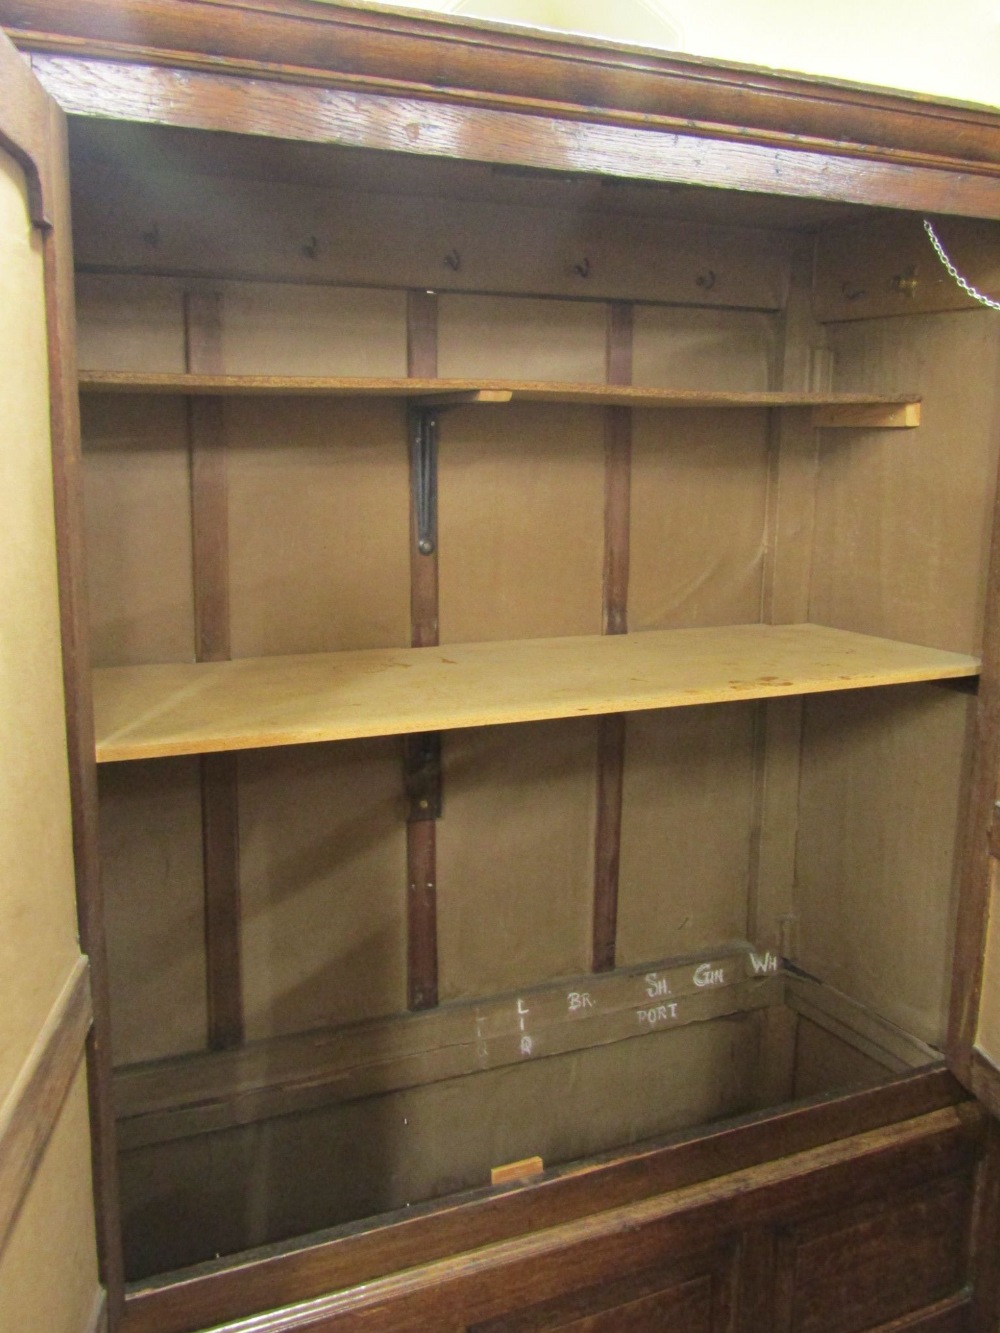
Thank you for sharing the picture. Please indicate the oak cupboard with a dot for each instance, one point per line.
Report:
(520, 526)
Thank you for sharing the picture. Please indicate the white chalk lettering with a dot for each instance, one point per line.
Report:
(578, 1000)
(659, 1013)
(761, 966)
(527, 1045)
(521, 1008)
(707, 975)
(656, 985)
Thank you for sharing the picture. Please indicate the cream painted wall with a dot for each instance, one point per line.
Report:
(945, 48)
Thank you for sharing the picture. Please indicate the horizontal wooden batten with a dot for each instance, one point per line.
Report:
(148, 712)
(857, 1025)
(200, 1093)
(830, 409)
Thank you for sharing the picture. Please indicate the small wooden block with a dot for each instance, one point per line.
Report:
(873, 416)
(523, 1170)
(461, 397)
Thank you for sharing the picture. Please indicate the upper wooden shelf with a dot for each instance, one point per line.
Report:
(144, 712)
(837, 409)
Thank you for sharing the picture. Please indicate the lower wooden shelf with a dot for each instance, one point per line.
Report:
(146, 712)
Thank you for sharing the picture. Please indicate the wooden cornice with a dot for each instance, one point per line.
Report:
(495, 67)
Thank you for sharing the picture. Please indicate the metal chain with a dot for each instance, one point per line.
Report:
(966, 286)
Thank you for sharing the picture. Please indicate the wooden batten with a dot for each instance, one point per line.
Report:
(196, 1094)
(210, 574)
(614, 612)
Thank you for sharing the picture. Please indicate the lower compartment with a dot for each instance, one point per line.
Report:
(845, 1214)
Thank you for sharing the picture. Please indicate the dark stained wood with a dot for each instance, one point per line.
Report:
(617, 472)
(755, 1276)
(221, 860)
(210, 101)
(985, 1080)
(307, 1270)
(984, 1271)
(607, 839)
(878, 1261)
(219, 775)
(422, 363)
(695, 1295)
(421, 834)
(346, 47)
(974, 891)
(209, 486)
(421, 899)
(614, 616)
(27, 1122)
(67, 480)
(553, 1263)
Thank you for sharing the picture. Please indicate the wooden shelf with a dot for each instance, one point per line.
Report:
(831, 409)
(144, 712)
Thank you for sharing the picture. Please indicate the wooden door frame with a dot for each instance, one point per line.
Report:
(331, 73)
(33, 130)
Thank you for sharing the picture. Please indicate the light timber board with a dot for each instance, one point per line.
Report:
(456, 391)
(145, 712)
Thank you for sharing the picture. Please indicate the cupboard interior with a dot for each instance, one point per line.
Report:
(786, 866)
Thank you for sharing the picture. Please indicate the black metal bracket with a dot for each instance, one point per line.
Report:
(422, 773)
(423, 475)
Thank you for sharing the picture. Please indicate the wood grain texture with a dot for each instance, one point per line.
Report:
(212, 101)
(499, 67)
(478, 1285)
(878, 1261)
(145, 712)
(312, 1268)
(32, 1107)
(985, 1223)
(199, 1093)
(417, 387)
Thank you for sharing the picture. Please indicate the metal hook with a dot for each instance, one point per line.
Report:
(583, 268)
(311, 248)
(453, 260)
(706, 279)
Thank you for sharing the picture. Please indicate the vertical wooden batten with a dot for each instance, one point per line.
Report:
(614, 619)
(219, 778)
(421, 831)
